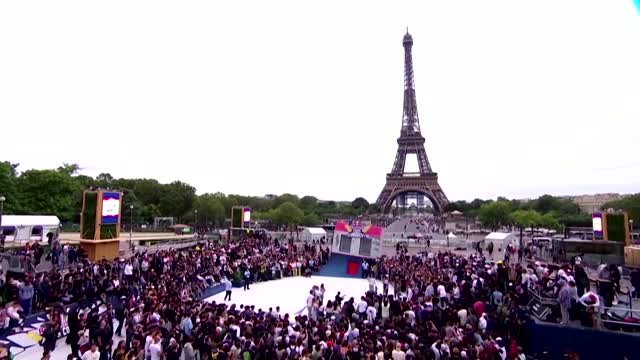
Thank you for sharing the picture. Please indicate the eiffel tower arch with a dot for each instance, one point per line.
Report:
(399, 183)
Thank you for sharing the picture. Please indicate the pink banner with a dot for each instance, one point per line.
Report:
(357, 227)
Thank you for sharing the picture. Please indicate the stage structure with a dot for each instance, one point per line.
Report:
(400, 186)
(353, 242)
(100, 223)
(240, 221)
(357, 239)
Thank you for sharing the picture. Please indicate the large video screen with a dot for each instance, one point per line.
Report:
(597, 226)
(110, 208)
(246, 216)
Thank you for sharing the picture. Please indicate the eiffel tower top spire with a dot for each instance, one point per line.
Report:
(410, 121)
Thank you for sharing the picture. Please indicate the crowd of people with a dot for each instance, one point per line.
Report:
(147, 294)
(430, 306)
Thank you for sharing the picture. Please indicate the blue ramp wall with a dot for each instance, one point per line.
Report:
(337, 266)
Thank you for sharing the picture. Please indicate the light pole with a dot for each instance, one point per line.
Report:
(131, 228)
(630, 225)
(2, 199)
(466, 227)
(195, 221)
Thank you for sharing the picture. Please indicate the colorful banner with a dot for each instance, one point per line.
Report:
(598, 231)
(358, 229)
(110, 208)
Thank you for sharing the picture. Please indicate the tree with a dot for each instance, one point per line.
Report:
(129, 198)
(47, 192)
(210, 209)
(630, 204)
(523, 219)
(548, 221)
(360, 204)
(310, 219)
(146, 214)
(288, 214)
(177, 199)
(308, 203)
(69, 169)
(8, 180)
(495, 214)
(148, 191)
(285, 198)
(104, 179)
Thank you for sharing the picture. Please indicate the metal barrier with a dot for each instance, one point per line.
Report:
(612, 318)
(18, 263)
(616, 318)
(544, 300)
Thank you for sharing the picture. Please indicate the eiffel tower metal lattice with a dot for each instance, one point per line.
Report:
(411, 141)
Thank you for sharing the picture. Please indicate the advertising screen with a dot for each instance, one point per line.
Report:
(597, 226)
(246, 216)
(110, 208)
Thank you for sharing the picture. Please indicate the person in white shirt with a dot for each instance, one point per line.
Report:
(456, 292)
(372, 285)
(128, 272)
(228, 286)
(462, 317)
(589, 303)
(482, 323)
(91, 354)
(411, 315)
(372, 313)
(155, 349)
(147, 343)
(398, 354)
(362, 308)
(442, 292)
(590, 299)
(385, 308)
(310, 299)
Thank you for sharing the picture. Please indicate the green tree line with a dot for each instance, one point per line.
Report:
(59, 191)
(544, 212)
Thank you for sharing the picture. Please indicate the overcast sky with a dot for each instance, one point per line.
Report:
(253, 97)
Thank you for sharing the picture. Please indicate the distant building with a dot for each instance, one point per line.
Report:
(270, 196)
(593, 203)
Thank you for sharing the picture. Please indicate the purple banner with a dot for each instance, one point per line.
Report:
(110, 208)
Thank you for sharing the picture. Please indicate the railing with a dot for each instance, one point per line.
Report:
(612, 318)
(616, 318)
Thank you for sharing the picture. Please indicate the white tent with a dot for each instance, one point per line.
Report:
(312, 233)
(29, 227)
(500, 239)
(451, 235)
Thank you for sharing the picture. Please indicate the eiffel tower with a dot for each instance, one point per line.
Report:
(411, 141)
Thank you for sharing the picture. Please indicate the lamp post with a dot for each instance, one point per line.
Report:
(2, 199)
(131, 228)
(195, 221)
(630, 227)
(466, 227)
